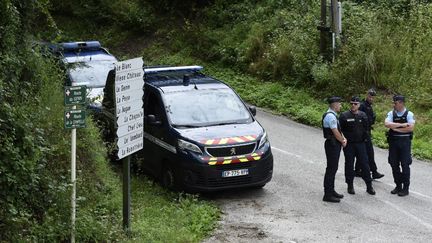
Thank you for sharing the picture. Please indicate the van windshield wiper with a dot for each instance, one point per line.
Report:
(224, 123)
(185, 126)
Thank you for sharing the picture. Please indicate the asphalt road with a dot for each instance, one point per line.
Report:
(290, 207)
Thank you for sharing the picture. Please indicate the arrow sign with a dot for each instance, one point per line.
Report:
(75, 95)
(129, 97)
(136, 75)
(131, 127)
(132, 116)
(130, 138)
(128, 65)
(129, 107)
(130, 148)
(127, 86)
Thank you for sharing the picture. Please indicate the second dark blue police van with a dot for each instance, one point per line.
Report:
(199, 135)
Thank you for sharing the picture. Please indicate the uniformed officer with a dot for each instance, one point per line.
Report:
(354, 126)
(401, 123)
(334, 141)
(366, 107)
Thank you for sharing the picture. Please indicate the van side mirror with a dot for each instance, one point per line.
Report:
(152, 121)
(252, 110)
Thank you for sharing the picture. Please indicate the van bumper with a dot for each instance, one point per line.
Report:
(200, 177)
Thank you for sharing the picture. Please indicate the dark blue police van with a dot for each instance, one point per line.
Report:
(199, 135)
(86, 63)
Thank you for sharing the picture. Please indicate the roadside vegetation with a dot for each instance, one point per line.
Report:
(267, 50)
(35, 155)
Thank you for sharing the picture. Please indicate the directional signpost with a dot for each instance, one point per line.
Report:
(129, 92)
(74, 118)
(75, 95)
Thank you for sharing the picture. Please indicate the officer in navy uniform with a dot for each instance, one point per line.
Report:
(366, 107)
(401, 123)
(354, 125)
(334, 141)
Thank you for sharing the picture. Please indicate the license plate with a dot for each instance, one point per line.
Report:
(232, 173)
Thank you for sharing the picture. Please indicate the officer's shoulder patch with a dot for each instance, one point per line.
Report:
(333, 122)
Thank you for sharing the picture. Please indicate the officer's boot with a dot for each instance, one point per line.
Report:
(369, 188)
(337, 195)
(329, 197)
(351, 188)
(377, 175)
(397, 189)
(405, 190)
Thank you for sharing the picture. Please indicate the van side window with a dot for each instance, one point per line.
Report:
(153, 106)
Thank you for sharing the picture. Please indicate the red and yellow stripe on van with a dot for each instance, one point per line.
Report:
(232, 159)
(227, 141)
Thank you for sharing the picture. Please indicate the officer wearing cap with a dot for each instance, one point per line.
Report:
(366, 107)
(401, 123)
(334, 141)
(354, 125)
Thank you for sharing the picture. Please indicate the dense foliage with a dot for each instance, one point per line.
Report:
(34, 147)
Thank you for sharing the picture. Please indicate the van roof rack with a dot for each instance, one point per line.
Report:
(172, 69)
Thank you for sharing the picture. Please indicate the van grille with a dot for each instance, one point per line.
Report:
(228, 150)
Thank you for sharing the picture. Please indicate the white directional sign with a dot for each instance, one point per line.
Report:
(130, 149)
(135, 64)
(129, 82)
(129, 107)
(131, 127)
(127, 86)
(132, 116)
(130, 138)
(127, 97)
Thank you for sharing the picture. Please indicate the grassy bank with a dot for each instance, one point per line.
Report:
(159, 215)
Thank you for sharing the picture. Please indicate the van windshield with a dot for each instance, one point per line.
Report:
(208, 107)
(93, 73)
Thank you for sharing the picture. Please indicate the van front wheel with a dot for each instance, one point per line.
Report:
(168, 178)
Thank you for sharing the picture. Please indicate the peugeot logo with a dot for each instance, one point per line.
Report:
(233, 151)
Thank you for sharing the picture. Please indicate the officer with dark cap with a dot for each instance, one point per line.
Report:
(334, 141)
(354, 125)
(366, 107)
(400, 122)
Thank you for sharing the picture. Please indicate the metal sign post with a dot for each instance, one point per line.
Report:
(126, 194)
(73, 180)
(129, 83)
(73, 119)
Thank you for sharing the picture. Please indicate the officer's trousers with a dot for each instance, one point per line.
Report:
(332, 149)
(371, 157)
(400, 156)
(356, 151)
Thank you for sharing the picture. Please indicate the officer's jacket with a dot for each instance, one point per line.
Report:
(354, 126)
(366, 107)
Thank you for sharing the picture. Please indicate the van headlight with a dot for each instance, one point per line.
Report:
(263, 140)
(183, 145)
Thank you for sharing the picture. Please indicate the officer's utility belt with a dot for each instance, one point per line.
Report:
(401, 136)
